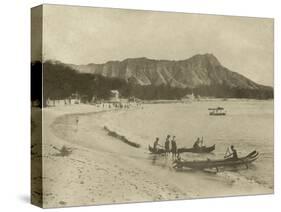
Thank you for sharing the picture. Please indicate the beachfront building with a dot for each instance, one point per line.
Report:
(55, 102)
(73, 99)
(84, 99)
(114, 96)
(189, 97)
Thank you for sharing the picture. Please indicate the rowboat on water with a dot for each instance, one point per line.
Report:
(209, 164)
(218, 111)
(197, 150)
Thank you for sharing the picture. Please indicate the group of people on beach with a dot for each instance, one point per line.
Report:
(117, 105)
(169, 142)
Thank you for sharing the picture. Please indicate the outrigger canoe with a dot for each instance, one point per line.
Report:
(209, 164)
(181, 150)
(197, 150)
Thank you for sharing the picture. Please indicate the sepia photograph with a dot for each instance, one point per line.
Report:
(134, 106)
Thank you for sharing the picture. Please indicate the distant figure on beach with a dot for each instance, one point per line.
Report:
(231, 155)
(196, 145)
(156, 144)
(167, 145)
(77, 122)
(174, 147)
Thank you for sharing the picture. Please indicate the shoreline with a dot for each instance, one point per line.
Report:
(97, 160)
(92, 173)
(165, 101)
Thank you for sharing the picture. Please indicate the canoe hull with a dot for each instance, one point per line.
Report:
(182, 150)
(209, 164)
(195, 150)
(159, 151)
(217, 114)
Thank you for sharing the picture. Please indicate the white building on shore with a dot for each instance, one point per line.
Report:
(188, 97)
(115, 97)
(73, 99)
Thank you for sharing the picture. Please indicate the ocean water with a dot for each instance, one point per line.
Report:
(248, 126)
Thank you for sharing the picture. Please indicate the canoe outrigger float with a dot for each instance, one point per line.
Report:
(182, 150)
(209, 164)
(197, 150)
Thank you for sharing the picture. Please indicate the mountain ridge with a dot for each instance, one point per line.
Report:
(149, 79)
(198, 70)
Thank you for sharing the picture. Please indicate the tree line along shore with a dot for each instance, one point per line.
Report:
(61, 81)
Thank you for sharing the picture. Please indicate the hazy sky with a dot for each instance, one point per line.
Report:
(82, 35)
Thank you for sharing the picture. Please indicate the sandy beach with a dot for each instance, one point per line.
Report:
(83, 165)
(90, 176)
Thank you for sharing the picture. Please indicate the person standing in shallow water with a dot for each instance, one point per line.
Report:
(156, 144)
(167, 145)
(174, 147)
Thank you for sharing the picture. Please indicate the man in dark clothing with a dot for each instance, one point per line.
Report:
(196, 144)
(167, 145)
(174, 147)
(234, 153)
(231, 155)
(156, 144)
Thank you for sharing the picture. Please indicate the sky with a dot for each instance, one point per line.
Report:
(82, 35)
